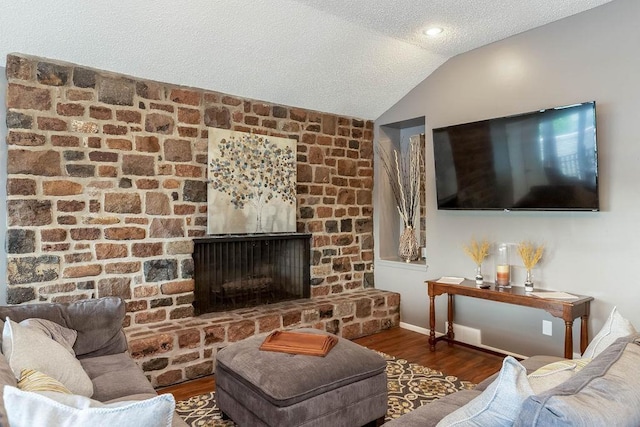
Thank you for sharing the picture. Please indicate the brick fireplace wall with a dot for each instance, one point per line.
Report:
(107, 186)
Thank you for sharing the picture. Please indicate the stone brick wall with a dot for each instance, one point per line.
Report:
(107, 186)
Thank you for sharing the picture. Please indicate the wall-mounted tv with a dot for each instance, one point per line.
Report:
(542, 160)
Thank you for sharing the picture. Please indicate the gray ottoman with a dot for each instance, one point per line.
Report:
(347, 387)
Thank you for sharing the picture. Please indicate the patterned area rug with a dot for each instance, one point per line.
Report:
(410, 386)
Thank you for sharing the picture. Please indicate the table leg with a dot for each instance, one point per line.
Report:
(432, 323)
(584, 333)
(450, 309)
(568, 339)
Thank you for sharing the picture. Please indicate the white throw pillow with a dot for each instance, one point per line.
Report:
(615, 327)
(27, 348)
(499, 404)
(28, 409)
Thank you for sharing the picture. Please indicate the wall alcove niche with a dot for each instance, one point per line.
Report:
(397, 136)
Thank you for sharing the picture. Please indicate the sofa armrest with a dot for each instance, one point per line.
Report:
(98, 322)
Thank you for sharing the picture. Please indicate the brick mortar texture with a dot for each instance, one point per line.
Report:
(107, 187)
(185, 349)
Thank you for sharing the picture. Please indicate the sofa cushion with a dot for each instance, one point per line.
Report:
(605, 392)
(98, 322)
(499, 404)
(114, 376)
(99, 326)
(27, 348)
(614, 327)
(27, 409)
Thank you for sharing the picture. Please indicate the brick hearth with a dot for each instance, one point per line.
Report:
(185, 349)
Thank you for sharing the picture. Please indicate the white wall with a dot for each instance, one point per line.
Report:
(590, 56)
(3, 189)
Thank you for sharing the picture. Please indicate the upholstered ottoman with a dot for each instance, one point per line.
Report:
(347, 387)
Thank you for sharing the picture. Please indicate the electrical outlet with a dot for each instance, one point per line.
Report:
(546, 328)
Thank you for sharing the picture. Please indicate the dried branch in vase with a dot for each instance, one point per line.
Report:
(530, 254)
(403, 170)
(477, 251)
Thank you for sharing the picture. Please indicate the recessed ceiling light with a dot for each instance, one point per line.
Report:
(433, 31)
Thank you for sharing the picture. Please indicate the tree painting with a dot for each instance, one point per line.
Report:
(255, 175)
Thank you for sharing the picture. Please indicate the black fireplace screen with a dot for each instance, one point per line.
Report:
(249, 270)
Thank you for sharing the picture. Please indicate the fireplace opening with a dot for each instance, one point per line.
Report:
(241, 271)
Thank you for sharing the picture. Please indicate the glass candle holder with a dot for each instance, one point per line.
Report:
(503, 268)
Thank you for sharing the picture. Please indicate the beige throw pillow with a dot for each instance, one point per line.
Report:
(64, 336)
(28, 348)
(554, 374)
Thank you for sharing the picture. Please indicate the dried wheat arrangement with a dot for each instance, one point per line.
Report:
(530, 254)
(477, 251)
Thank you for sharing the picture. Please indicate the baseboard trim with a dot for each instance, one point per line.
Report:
(481, 347)
(418, 329)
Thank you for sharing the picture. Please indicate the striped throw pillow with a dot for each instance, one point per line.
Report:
(32, 380)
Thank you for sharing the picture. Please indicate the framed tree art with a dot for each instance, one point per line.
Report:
(252, 183)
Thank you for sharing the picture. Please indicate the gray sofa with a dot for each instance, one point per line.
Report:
(606, 392)
(101, 348)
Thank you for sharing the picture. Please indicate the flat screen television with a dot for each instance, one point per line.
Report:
(542, 160)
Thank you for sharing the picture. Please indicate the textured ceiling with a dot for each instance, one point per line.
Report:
(467, 23)
(355, 57)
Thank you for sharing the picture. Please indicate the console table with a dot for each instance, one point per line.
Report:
(567, 310)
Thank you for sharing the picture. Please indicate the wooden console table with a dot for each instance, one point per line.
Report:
(567, 310)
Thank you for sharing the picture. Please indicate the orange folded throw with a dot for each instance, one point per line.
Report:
(299, 343)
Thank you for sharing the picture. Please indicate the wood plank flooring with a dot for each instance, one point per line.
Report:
(465, 363)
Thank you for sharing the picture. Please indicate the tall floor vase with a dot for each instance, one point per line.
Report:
(408, 248)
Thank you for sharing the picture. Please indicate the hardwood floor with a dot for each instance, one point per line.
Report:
(465, 363)
(192, 388)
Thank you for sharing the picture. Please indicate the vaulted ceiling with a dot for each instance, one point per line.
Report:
(351, 57)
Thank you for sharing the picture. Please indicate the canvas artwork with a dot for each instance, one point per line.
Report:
(252, 183)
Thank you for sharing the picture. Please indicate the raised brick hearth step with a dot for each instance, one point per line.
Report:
(185, 349)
